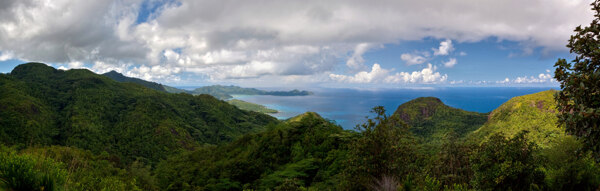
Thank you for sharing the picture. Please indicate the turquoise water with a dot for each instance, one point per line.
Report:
(348, 107)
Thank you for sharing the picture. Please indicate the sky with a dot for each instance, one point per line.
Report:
(297, 43)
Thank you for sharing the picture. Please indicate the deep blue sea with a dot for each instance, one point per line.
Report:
(349, 107)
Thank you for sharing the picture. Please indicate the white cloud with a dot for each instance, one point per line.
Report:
(377, 74)
(4, 56)
(425, 76)
(297, 37)
(75, 64)
(380, 75)
(462, 53)
(457, 82)
(445, 48)
(355, 62)
(411, 59)
(542, 78)
(450, 63)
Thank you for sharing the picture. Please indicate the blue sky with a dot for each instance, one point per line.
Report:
(297, 43)
(489, 59)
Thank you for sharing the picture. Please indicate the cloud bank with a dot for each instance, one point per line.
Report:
(253, 39)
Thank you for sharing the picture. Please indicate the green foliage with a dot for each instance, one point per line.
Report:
(535, 113)
(87, 171)
(507, 164)
(309, 151)
(244, 105)
(429, 118)
(451, 165)
(43, 106)
(579, 101)
(385, 148)
(24, 119)
(568, 168)
(26, 172)
(121, 78)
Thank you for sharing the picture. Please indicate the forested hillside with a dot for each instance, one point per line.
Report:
(44, 106)
(307, 152)
(430, 117)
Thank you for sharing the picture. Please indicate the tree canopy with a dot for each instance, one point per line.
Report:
(579, 101)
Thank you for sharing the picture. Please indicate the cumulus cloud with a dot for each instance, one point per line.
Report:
(6, 56)
(355, 62)
(226, 39)
(380, 75)
(539, 79)
(412, 59)
(450, 63)
(445, 48)
(377, 74)
(425, 76)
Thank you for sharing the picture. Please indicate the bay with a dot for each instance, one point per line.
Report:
(349, 107)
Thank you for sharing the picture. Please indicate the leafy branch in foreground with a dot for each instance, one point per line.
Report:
(579, 101)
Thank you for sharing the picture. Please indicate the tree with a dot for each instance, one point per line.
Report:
(507, 164)
(579, 100)
(451, 165)
(384, 152)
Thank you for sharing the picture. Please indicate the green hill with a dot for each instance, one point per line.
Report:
(429, 117)
(40, 105)
(121, 78)
(535, 113)
(302, 116)
(307, 152)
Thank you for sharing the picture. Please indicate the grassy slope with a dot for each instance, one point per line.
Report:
(41, 106)
(535, 113)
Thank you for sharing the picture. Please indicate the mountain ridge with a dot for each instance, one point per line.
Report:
(122, 78)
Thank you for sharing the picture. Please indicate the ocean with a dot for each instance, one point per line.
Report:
(349, 107)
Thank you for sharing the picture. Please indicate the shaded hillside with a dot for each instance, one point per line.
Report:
(121, 78)
(429, 117)
(535, 113)
(307, 152)
(41, 105)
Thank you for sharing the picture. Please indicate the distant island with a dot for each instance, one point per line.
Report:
(226, 92)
